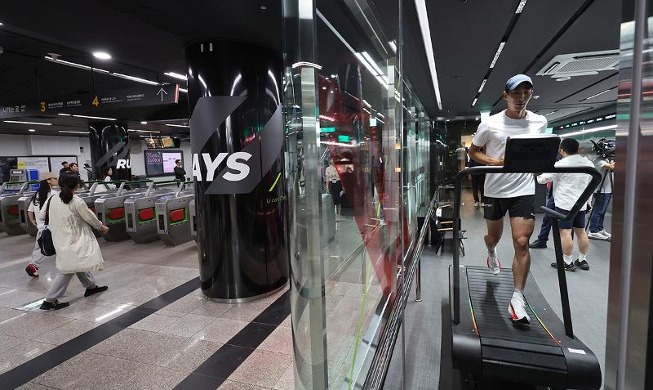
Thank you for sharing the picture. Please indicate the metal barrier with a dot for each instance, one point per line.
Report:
(25, 223)
(9, 212)
(173, 216)
(141, 214)
(110, 209)
(381, 361)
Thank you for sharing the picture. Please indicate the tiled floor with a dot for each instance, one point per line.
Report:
(157, 352)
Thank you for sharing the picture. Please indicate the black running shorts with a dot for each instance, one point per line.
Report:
(577, 222)
(521, 206)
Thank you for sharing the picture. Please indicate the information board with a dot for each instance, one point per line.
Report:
(161, 162)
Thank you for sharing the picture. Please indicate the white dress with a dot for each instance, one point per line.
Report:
(76, 245)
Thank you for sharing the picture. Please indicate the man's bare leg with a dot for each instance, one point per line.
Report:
(494, 232)
(522, 229)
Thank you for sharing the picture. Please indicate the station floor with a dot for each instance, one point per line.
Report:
(153, 328)
(427, 338)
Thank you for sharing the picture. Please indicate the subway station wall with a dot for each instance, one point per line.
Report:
(36, 145)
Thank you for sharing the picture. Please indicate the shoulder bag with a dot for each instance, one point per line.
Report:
(45, 241)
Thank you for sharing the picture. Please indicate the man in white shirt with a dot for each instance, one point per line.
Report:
(567, 188)
(603, 195)
(509, 192)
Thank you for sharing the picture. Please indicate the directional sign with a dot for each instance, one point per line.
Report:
(147, 95)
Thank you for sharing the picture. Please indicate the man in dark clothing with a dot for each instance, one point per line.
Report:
(180, 173)
(65, 168)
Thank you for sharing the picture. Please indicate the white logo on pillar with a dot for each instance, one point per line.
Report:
(123, 163)
(233, 163)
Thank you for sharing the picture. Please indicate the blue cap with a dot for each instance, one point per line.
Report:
(517, 79)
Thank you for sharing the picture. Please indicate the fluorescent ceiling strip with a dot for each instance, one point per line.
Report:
(103, 71)
(521, 6)
(372, 62)
(177, 75)
(497, 54)
(428, 47)
(597, 94)
(393, 46)
(482, 85)
(306, 63)
(94, 117)
(63, 114)
(30, 123)
(174, 125)
(73, 132)
(474, 102)
(589, 131)
(334, 31)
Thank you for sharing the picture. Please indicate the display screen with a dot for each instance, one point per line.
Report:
(161, 162)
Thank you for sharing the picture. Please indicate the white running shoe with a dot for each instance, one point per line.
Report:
(597, 236)
(608, 235)
(494, 264)
(517, 310)
(476, 204)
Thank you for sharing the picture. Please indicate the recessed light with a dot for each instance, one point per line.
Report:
(1, 24)
(31, 130)
(101, 55)
(143, 122)
(264, 7)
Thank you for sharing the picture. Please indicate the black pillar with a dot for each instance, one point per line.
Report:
(109, 148)
(238, 166)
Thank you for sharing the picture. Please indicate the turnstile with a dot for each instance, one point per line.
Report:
(9, 212)
(110, 209)
(193, 220)
(25, 223)
(173, 217)
(141, 214)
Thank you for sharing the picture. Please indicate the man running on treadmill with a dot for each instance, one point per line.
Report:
(509, 192)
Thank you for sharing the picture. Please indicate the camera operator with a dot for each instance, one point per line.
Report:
(604, 162)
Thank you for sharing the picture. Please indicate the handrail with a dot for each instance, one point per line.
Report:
(379, 366)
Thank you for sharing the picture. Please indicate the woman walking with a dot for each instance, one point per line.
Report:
(48, 181)
(78, 252)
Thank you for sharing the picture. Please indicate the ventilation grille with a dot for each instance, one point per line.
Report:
(565, 66)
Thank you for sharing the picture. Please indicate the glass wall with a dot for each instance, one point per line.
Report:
(357, 151)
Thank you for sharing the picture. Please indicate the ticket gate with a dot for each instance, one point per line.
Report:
(9, 212)
(110, 209)
(173, 217)
(140, 212)
(193, 220)
(25, 223)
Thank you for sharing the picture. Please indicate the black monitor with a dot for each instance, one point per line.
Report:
(531, 152)
(161, 162)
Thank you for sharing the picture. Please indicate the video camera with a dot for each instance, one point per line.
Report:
(605, 148)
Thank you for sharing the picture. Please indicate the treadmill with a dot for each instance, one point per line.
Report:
(485, 342)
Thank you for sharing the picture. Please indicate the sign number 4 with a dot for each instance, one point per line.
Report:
(95, 102)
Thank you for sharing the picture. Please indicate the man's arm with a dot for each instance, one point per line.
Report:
(477, 155)
(608, 166)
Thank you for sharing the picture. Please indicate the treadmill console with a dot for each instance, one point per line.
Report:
(531, 152)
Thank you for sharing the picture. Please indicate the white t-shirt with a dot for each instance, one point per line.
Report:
(492, 134)
(331, 174)
(34, 207)
(568, 187)
(606, 188)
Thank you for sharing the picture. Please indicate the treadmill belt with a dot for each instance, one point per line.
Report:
(490, 296)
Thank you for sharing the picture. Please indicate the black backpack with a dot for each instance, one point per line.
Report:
(45, 241)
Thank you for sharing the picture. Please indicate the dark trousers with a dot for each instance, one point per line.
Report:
(546, 221)
(601, 202)
(478, 184)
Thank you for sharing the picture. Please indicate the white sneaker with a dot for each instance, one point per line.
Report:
(517, 310)
(494, 265)
(476, 204)
(608, 235)
(597, 236)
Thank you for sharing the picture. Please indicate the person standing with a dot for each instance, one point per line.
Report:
(545, 228)
(77, 250)
(602, 199)
(65, 168)
(48, 181)
(180, 173)
(568, 187)
(334, 186)
(478, 183)
(509, 192)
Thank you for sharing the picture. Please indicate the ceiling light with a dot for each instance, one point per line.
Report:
(589, 131)
(597, 94)
(143, 122)
(428, 46)
(177, 75)
(73, 132)
(1, 24)
(393, 46)
(94, 117)
(30, 123)
(102, 55)
(63, 114)
(521, 6)
(474, 102)
(306, 63)
(264, 7)
(175, 125)
(373, 63)
(482, 85)
(497, 54)
(56, 60)
(184, 90)
(31, 130)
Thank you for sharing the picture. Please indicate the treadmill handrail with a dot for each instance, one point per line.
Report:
(596, 178)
